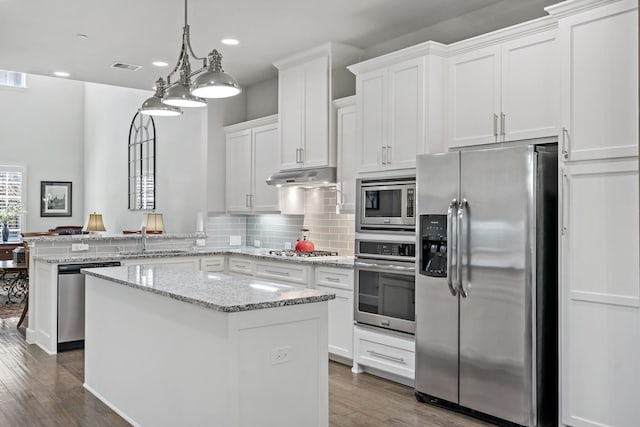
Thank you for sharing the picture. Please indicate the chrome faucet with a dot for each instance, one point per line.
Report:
(144, 238)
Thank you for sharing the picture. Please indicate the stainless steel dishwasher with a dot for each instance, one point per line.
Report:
(71, 303)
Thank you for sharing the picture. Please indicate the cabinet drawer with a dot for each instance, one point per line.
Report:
(341, 278)
(284, 272)
(6, 253)
(386, 352)
(241, 265)
(212, 264)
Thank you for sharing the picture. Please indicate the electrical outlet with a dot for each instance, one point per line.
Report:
(201, 242)
(77, 247)
(235, 240)
(287, 245)
(280, 355)
(256, 243)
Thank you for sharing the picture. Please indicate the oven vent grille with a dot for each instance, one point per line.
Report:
(123, 66)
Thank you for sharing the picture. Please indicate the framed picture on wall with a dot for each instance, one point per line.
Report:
(55, 198)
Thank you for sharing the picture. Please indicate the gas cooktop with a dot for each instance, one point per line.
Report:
(290, 253)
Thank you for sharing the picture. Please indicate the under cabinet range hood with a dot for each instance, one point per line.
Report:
(316, 177)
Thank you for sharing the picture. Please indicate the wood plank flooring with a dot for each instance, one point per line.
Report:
(41, 390)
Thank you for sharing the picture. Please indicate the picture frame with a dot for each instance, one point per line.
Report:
(55, 198)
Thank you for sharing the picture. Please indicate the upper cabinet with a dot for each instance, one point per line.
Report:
(399, 103)
(599, 69)
(305, 89)
(346, 147)
(504, 86)
(252, 155)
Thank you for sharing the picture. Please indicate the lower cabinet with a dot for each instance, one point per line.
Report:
(287, 272)
(390, 354)
(240, 265)
(183, 263)
(212, 264)
(340, 282)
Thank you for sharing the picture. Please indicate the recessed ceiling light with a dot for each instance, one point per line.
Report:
(230, 42)
(61, 74)
(160, 63)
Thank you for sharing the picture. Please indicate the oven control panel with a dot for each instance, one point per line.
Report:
(386, 249)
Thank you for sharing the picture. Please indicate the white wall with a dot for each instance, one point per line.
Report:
(181, 160)
(42, 128)
(262, 99)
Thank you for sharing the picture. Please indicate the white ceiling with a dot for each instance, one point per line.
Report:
(39, 36)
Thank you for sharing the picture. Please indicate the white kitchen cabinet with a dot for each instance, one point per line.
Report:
(600, 294)
(286, 272)
(338, 281)
(240, 264)
(212, 264)
(304, 105)
(252, 155)
(504, 86)
(599, 69)
(346, 159)
(399, 101)
(183, 263)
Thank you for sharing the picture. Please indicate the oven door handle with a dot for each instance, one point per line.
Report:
(386, 267)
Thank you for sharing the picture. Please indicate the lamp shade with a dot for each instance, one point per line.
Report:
(180, 96)
(155, 107)
(95, 223)
(215, 85)
(153, 222)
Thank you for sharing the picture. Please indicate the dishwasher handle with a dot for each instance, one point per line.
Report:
(75, 268)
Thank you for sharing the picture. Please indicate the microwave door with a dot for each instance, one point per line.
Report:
(385, 205)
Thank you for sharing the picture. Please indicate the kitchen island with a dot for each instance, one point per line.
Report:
(166, 347)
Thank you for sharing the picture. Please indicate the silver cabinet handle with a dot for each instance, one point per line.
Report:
(450, 239)
(502, 124)
(332, 279)
(246, 201)
(297, 155)
(388, 154)
(565, 144)
(563, 225)
(461, 207)
(386, 356)
(383, 155)
(302, 155)
(495, 125)
(278, 273)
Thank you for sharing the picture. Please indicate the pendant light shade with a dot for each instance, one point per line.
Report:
(215, 83)
(155, 107)
(180, 96)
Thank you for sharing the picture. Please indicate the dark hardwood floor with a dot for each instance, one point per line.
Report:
(41, 390)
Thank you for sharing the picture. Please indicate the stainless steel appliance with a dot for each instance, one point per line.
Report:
(385, 284)
(486, 285)
(71, 303)
(386, 205)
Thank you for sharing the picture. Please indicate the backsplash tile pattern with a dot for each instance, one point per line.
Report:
(328, 231)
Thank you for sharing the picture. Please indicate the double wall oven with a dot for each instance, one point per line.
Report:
(385, 254)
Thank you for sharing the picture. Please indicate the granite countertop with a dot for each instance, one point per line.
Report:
(258, 253)
(106, 236)
(217, 291)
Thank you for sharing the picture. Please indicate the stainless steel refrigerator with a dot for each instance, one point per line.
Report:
(486, 283)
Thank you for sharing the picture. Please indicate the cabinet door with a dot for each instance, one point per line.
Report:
(347, 155)
(316, 113)
(407, 116)
(238, 186)
(340, 322)
(474, 97)
(599, 51)
(264, 198)
(600, 294)
(530, 87)
(372, 120)
(290, 107)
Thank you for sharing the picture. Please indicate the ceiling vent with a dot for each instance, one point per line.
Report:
(124, 66)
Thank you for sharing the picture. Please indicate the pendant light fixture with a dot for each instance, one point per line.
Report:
(211, 82)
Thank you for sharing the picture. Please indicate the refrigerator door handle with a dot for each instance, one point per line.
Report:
(461, 207)
(452, 205)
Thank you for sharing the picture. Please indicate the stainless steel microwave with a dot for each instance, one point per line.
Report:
(386, 204)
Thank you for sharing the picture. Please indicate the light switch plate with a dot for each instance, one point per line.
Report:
(77, 247)
(201, 242)
(235, 240)
(256, 243)
(287, 245)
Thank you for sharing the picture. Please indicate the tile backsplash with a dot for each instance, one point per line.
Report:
(328, 231)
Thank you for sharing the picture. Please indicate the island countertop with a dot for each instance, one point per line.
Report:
(216, 291)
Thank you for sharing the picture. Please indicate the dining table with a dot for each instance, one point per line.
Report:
(14, 279)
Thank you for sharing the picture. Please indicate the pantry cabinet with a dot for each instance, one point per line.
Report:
(346, 158)
(305, 89)
(251, 156)
(399, 100)
(505, 86)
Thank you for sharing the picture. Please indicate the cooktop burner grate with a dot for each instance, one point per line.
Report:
(290, 253)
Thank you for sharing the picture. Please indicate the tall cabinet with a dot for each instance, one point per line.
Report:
(599, 213)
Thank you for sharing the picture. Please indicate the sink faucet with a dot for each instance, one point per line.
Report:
(144, 239)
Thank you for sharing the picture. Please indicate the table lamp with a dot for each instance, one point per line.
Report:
(95, 223)
(154, 223)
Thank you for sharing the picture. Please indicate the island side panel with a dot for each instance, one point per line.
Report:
(43, 308)
(157, 361)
